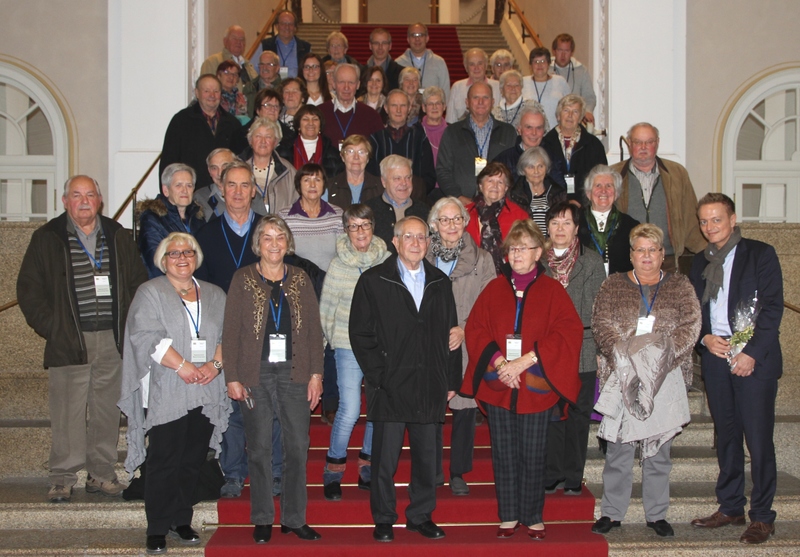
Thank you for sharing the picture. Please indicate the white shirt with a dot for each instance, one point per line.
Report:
(718, 309)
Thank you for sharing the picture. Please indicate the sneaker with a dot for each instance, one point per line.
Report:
(110, 489)
(59, 494)
(277, 486)
(231, 488)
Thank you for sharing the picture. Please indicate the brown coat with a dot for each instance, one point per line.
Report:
(243, 335)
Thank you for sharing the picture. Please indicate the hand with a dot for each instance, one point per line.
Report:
(236, 390)
(510, 374)
(717, 345)
(742, 365)
(190, 374)
(588, 117)
(314, 391)
(465, 200)
(209, 373)
(450, 395)
(456, 337)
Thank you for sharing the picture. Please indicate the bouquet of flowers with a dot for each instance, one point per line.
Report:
(744, 324)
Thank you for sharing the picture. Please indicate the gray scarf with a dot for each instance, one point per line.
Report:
(713, 273)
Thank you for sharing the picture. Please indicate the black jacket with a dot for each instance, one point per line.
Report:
(303, 48)
(414, 145)
(618, 246)
(587, 153)
(520, 193)
(404, 353)
(339, 190)
(385, 218)
(157, 219)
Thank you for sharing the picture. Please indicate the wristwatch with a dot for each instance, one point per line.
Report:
(217, 364)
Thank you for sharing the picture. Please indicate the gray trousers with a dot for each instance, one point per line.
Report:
(618, 480)
(292, 409)
(84, 418)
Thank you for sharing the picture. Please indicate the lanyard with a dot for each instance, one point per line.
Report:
(519, 296)
(482, 148)
(440, 265)
(284, 57)
(266, 185)
(422, 67)
(238, 262)
(515, 112)
(195, 324)
(649, 307)
(276, 318)
(604, 253)
(350, 121)
(539, 95)
(96, 262)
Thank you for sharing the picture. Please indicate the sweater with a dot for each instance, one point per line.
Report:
(433, 71)
(222, 248)
(314, 239)
(365, 121)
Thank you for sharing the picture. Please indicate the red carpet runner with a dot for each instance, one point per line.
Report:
(469, 522)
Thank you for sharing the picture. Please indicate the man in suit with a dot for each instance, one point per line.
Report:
(741, 389)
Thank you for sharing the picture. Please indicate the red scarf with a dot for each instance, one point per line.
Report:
(300, 157)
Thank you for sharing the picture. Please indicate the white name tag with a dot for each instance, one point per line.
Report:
(284, 72)
(102, 287)
(198, 351)
(645, 325)
(513, 347)
(277, 348)
(480, 164)
(570, 178)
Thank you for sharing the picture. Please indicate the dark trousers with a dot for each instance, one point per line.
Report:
(462, 442)
(567, 439)
(176, 452)
(743, 409)
(330, 391)
(387, 442)
(519, 443)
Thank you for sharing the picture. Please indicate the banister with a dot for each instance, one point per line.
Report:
(527, 28)
(623, 141)
(282, 5)
(132, 196)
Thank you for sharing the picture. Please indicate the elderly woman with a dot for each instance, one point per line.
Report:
(356, 251)
(470, 269)
(171, 211)
(233, 101)
(534, 189)
(509, 107)
(573, 150)
(314, 223)
(604, 228)
(500, 62)
(173, 390)
(492, 213)
(355, 184)
(410, 79)
(295, 95)
(273, 344)
(523, 337)
(268, 104)
(311, 145)
(542, 87)
(274, 174)
(433, 122)
(645, 323)
(580, 271)
(336, 44)
(374, 82)
(317, 88)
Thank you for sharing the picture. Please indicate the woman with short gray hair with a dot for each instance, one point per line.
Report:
(534, 190)
(510, 105)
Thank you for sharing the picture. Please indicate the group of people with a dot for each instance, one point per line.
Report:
(298, 258)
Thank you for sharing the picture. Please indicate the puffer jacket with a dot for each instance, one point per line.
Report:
(157, 219)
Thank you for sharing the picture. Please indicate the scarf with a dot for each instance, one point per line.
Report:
(713, 273)
(601, 239)
(445, 254)
(229, 100)
(491, 236)
(562, 266)
(300, 157)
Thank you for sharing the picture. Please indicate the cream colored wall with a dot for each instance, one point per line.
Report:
(66, 41)
(221, 14)
(728, 42)
(550, 18)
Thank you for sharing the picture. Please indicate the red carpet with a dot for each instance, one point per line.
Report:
(469, 522)
(443, 40)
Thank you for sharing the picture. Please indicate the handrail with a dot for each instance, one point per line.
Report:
(623, 141)
(132, 195)
(527, 28)
(282, 5)
(787, 305)
(9, 305)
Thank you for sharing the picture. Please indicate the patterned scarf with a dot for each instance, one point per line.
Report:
(228, 103)
(491, 236)
(714, 274)
(601, 239)
(562, 266)
(445, 254)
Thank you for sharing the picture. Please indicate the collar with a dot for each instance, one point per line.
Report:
(598, 215)
(78, 231)
(393, 203)
(297, 209)
(515, 104)
(338, 105)
(239, 229)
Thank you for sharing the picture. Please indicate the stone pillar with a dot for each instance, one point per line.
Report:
(449, 11)
(349, 11)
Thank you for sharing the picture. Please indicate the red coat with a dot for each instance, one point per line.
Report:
(509, 214)
(549, 326)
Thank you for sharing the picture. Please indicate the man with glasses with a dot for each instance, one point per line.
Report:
(234, 44)
(400, 321)
(432, 67)
(289, 48)
(659, 191)
(574, 72)
(380, 44)
(475, 62)
(269, 66)
(344, 115)
(500, 61)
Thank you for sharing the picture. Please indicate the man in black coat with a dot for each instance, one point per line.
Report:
(289, 48)
(400, 322)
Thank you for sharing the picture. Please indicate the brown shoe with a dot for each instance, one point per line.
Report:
(718, 519)
(757, 532)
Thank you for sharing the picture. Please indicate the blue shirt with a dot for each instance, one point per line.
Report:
(413, 280)
(240, 229)
(718, 309)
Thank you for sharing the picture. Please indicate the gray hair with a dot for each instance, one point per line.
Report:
(354, 67)
(642, 125)
(472, 51)
(567, 100)
(233, 165)
(530, 157)
(68, 183)
(394, 161)
(262, 122)
(216, 152)
(509, 73)
(405, 72)
(398, 92)
(398, 227)
(358, 211)
(533, 108)
(433, 216)
(432, 91)
(337, 35)
(172, 238)
(500, 53)
(280, 224)
(602, 170)
(174, 168)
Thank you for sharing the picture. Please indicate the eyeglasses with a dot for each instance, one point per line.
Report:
(309, 67)
(231, 72)
(642, 251)
(640, 143)
(540, 62)
(271, 106)
(365, 226)
(502, 64)
(268, 65)
(176, 254)
(359, 152)
(521, 249)
(417, 35)
(409, 238)
(434, 103)
(444, 221)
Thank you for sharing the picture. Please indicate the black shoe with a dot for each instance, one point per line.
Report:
(604, 525)
(383, 532)
(364, 484)
(572, 490)
(333, 491)
(262, 533)
(185, 534)
(305, 532)
(156, 545)
(662, 528)
(427, 529)
(558, 484)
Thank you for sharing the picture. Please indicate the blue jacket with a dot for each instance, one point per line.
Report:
(157, 218)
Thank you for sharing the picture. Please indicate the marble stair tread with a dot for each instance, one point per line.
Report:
(91, 541)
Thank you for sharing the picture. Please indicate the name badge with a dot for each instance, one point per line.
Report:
(284, 72)
(102, 286)
(570, 178)
(277, 348)
(480, 164)
(645, 325)
(341, 143)
(513, 347)
(198, 351)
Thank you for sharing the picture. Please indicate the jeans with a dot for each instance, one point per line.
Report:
(232, 456)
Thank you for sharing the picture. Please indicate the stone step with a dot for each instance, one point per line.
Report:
(90, 541)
